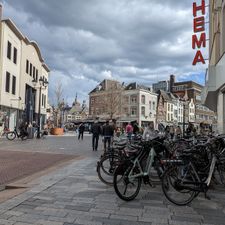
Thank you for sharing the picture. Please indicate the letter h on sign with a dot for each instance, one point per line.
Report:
(198, 26)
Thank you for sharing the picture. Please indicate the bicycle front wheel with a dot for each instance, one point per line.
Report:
(106, 167)
(126, 185)
(11, 135)
(175, 187)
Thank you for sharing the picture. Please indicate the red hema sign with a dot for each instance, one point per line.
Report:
(198, 41)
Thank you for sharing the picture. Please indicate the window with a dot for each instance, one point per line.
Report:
(15, 55)
(13, 85)
(143, 99)
(125, 110)
(126, 99)
(171, 107)
(143, 111)
(36, 78)
(9, 46)
(153, 105)
(45, 102)
(133, 111)
(150, 105)
(42, 99)
(27, 66)
(34, 72)
(133, 99)
(7, 82)
(168, 107)
(30, 69)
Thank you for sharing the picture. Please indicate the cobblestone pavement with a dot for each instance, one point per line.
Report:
(15, 165)
(73, 195)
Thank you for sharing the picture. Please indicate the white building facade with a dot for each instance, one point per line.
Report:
(21, 64)
(138, 103)
(214, 92)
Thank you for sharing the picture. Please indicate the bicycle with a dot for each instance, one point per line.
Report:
(11, 135)
(108, 162)
(184, 179)
(129, 175)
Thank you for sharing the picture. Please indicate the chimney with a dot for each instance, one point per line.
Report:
(172, 81)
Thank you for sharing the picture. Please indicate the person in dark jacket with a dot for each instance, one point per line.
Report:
(81, 131)
(96, 131)
(135, 128)
(107, 132)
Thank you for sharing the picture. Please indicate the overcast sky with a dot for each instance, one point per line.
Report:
(86, 41)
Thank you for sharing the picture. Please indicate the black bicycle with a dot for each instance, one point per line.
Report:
(188, 175)
(11, 135)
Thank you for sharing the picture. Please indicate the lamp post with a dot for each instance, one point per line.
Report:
(42, 82)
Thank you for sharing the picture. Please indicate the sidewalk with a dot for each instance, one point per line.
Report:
(74, 195)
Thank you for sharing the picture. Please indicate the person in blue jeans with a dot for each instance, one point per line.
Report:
(107, 132)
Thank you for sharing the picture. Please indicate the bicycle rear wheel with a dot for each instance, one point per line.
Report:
(11, 135)
(106, 167)
(173, 187)
(126, 188)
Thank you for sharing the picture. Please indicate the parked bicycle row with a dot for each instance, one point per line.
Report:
(184, 168)
(22, 132)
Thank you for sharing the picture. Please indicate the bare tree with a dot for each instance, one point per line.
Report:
(59, 103)
(113, 101)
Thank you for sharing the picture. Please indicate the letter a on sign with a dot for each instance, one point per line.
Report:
(198, 58)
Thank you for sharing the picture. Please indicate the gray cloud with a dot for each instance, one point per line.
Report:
(84, 42)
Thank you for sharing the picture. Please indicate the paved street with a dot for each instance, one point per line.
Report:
(73, 195)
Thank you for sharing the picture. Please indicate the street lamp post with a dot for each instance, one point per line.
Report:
(42, 82)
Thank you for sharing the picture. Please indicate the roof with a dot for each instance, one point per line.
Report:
(167, 95)
(188, 82)
(17, 32)
(135, 86)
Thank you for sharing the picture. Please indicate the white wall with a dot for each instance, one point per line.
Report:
(9, 99)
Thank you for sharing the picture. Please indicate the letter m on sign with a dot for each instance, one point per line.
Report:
(201, 42)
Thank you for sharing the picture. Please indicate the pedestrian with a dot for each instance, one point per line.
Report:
(23, 129)
(96, 131)
(135, 128)
(107, 132)
(129, 131)
(178, 132)
(172, 131)
(81, 131)
(149, 131)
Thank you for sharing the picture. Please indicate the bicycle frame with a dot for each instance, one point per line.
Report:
(204, 184)
(136, 163)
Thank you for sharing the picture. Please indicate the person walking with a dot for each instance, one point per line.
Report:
(129, 131)
(107, 132)
(96, 131)
(81, 131)
(149, 132)
(135, 128)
